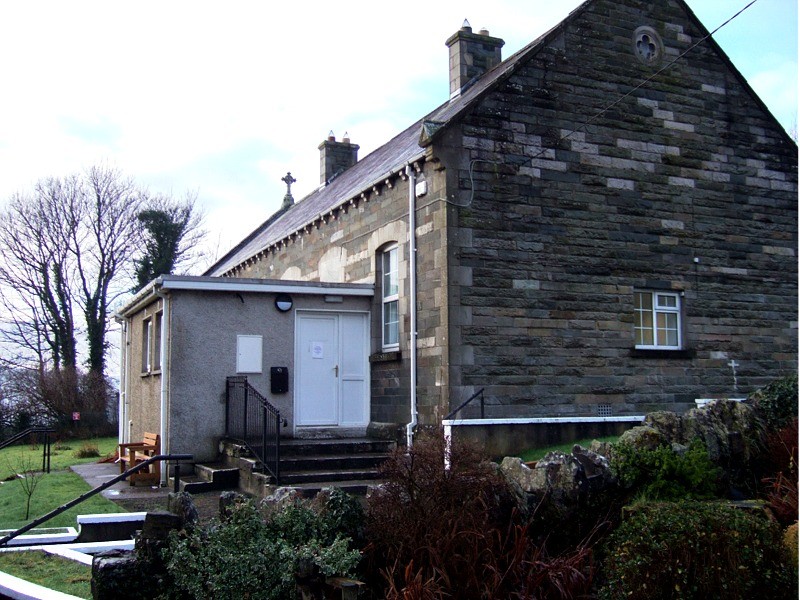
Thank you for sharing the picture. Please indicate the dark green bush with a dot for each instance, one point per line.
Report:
(777, 402)
(250, 556)
(663, 474)
(688, 550)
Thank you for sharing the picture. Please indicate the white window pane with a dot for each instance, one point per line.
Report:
(391, 322)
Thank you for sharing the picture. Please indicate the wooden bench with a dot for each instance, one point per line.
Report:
(136, 453)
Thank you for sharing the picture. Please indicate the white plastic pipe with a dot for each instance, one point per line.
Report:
(165, 367)
(412, 274)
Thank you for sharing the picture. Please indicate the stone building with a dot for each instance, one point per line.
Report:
(604, 223)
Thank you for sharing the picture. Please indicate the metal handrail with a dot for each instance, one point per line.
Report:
(265, 434)
(46, 447)
(90, 493)
(467, 401)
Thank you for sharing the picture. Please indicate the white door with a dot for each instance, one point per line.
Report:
(332, 383)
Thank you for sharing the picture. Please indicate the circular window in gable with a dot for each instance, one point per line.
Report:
(647, 46)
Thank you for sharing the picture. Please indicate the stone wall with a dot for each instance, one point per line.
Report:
(575, 194)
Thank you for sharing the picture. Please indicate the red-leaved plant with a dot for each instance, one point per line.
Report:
(454, 533)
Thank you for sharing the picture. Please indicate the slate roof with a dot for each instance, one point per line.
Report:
(406, 147)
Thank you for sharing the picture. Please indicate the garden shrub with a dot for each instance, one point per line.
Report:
(454, 533)
(777, 402)
(780, 487)
(87, 450)
(664, 474)
(688, 550)
(250, 555)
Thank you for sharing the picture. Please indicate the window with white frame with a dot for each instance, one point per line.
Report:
(657, 322)
(147, 336)
(390, 295)
(157, 341)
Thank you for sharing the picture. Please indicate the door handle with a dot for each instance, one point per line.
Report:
(336, 371)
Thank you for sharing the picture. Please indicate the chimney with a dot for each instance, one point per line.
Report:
(471, 55)
(336, 157)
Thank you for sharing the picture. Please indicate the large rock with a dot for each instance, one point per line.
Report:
(560, 484)
(643, 437)
(731, 431)
(182, 505)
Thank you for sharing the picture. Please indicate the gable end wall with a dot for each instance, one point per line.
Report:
(685, 185)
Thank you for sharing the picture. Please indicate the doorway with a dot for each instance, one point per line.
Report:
(332, 370)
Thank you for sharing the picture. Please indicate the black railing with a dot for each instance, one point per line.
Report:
(252, 420)
(64, 507)
(478, 394)
(46, 443)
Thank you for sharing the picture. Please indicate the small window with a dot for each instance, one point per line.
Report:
(147, 334)
(657, 322)
(157, 341)
(390, 295)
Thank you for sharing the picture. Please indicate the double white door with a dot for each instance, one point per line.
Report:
(332, 370)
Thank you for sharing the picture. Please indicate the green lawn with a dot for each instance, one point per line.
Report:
(54, 489)
(536, 453)
(54, 572)
(20, 457)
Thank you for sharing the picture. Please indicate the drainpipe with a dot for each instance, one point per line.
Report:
(412, 270)
(164, 378)
(123, 378)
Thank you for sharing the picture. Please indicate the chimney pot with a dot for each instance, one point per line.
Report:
(331, 137)
(465, 26)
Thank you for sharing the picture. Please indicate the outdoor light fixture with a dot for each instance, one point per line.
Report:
(283, 302)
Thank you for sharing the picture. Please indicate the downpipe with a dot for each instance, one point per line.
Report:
(412, 270)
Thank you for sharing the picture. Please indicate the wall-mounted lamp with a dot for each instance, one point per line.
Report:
(283, 302)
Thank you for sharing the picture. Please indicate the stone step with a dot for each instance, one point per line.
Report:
(360, 487)
(364, 460)
(313, 462)
(303, 447)
(209, 478)
(326, 476)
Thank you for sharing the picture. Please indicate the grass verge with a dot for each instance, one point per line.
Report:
(54, 572)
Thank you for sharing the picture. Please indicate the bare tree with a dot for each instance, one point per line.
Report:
(68, 249)
(36, 272)
(28, 479)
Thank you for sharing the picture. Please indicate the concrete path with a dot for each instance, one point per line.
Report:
(97, 474)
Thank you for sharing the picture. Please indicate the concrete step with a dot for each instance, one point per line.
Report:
(326, 476)
(356, 487)
(209, 478)
(303, 447)
(364, 460)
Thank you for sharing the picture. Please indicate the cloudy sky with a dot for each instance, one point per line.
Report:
(225, 98)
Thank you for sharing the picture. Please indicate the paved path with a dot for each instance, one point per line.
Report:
(97, 474)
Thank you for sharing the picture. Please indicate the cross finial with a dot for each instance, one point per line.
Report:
(288, 200)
